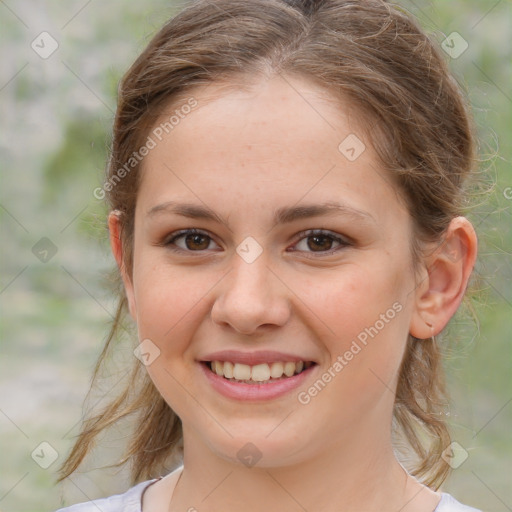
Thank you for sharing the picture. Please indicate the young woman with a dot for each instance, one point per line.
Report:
(285, 186)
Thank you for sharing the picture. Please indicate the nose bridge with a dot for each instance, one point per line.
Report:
(251, 278)
(250, 296)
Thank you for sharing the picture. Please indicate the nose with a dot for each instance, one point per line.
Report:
(251, 298)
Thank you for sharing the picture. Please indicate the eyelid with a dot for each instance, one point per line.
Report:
(343, 240)
(322, 231)
(169, 240)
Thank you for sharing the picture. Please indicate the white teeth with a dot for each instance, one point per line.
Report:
(218, 368)
(289, 369)
(258, 373)
(228, 370)
(241, 371)
(276, 370)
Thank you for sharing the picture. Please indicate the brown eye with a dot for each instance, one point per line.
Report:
(190, 240)
(196, 241)
(321, 242)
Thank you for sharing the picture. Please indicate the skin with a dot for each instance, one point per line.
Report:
(244, 153)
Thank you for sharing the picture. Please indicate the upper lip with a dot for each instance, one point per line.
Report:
(253, 358)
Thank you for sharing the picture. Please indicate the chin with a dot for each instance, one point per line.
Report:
(261, 448)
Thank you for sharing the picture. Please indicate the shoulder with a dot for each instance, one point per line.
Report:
(130, 501)
(449, 504)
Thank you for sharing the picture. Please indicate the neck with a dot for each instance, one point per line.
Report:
(351, 476)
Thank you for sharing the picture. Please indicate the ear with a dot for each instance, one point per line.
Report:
(114, 226)
(441, 290)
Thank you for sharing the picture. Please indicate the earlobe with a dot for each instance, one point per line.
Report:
(449, 268)
(114, 226)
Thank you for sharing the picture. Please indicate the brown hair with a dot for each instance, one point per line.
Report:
(365, 51)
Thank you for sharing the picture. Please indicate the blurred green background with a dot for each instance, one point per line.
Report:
(56, 115)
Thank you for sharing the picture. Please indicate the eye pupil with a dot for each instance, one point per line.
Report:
(196, 238)
(316, 242)
(323, 238)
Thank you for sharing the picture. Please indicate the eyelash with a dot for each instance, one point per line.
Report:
(344, 242)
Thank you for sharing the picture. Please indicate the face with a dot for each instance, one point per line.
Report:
(300, 254)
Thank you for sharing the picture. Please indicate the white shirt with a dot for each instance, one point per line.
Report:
(131, 501)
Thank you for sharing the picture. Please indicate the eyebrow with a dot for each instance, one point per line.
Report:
(284, 215)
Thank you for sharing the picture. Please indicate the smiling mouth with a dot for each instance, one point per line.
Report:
(264, 373)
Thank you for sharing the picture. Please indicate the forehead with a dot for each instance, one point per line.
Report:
(274, 141)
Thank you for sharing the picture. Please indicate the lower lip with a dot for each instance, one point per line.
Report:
(255, 392)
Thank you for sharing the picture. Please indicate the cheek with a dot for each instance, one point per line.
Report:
(365, 317)
(170, 303)
(354, 299)
(167, 303)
